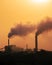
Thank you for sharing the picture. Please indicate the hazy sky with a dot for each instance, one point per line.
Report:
(25, 11)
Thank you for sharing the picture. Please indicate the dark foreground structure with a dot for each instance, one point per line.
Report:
(24, 58)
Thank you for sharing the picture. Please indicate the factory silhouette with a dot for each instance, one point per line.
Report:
(18, 56)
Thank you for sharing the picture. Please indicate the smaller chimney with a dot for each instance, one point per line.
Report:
(36, 42)
(26, 46)
(8, 42)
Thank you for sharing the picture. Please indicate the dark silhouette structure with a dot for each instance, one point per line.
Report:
(23, 58)
(42, 57)
(8, 42)
(36, 42)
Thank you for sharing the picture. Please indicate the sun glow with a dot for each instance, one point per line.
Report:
(40, 1)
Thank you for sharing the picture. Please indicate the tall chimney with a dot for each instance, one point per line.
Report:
(36, 43)
(8, 42)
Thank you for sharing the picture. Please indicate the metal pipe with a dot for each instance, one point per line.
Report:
(36, 42)
(8, 42)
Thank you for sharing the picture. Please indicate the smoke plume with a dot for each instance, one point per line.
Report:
(45, 25)
(21, 30)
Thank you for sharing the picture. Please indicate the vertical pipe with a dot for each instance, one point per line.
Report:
(36, 43)
(26, 46)
(8, 42)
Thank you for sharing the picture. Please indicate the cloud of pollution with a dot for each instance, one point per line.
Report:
(45, 25)
(21, 30)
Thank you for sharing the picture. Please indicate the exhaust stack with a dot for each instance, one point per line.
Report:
(8, 42)
(36, 42)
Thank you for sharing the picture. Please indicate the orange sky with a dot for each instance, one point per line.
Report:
(25, 11)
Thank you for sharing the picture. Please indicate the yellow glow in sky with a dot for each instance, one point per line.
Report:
(25, 11)
(40, 1)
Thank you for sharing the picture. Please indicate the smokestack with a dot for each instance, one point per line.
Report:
(8, 42)
(26, 46)
(36, 42)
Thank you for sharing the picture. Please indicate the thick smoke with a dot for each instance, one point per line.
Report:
(21, 30)
(45, 25)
